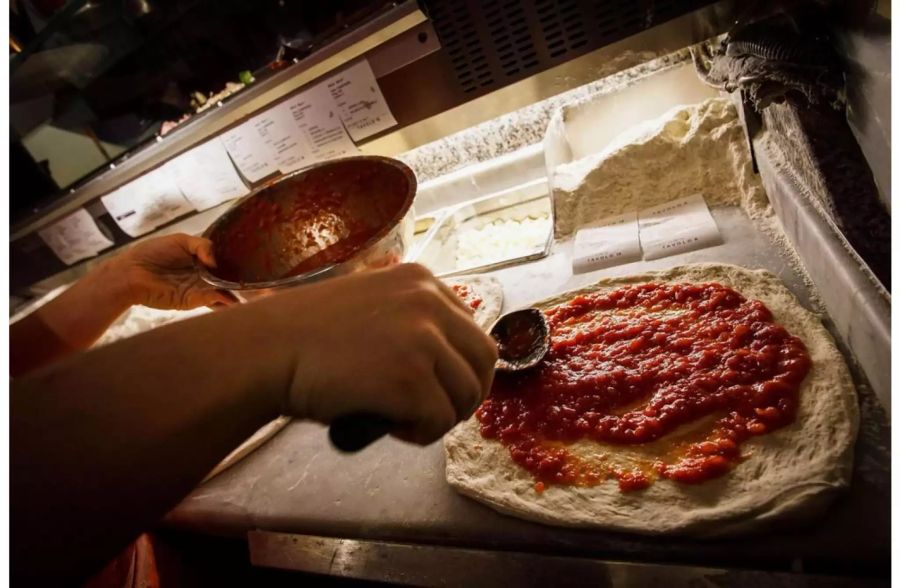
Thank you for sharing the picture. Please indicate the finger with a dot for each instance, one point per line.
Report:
(205, 253)
(200, 248)
(432, 416)
(476, 347)
(229, 300)
(484, 354)
(453, 297)
(211, 297)
(226, 298)
(459, 381)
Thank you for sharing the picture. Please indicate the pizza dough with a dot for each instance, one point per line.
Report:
(791, 473)
(491, 293)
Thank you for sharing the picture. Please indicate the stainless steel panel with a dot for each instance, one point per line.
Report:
(857, 304)
(423, 565)
(443, 110)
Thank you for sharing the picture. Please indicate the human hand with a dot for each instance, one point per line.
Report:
(395, 342)
(160, 273)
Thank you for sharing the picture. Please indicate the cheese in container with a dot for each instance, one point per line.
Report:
(492, 232)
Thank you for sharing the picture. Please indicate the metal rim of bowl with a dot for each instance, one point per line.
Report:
(213, 280)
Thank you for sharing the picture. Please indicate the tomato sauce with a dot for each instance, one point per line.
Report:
(636, 367)
(320, 217)
(466, 294)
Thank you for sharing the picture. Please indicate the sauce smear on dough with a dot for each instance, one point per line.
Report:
(467, 295)
(638, 366)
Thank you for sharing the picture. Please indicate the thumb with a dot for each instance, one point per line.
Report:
(202, 249)
(212, 298)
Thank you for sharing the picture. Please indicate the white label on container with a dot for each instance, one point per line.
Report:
(146, 203)
(314, 113)
(206, 176)
(610, 241)
(250, 153)
(677, 227)
(359, 100)
(75, 237)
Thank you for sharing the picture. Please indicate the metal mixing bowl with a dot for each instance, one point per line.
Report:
(326, 220)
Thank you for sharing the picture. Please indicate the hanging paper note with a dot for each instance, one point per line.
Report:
(285, 138)
(316, 116)
(610, 241)
(146, 203)
(206, 176)
(677, 227)
(75, 237)
(359, 100)
(250, 153)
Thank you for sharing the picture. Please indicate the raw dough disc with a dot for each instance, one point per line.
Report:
(791, 473)
(491, 293)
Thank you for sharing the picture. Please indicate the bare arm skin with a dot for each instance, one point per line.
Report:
(159, 273)
(105, 443)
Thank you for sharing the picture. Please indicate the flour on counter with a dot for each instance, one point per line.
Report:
(690, 149)
(700, 148)
(140, 319)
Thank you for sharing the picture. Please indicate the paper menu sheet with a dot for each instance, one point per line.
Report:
(146, 203)
(289, 144)
(676, 227)
(359, 100)
(206, 176)
(75, 237)
(314, 113)
(248, 149)
(611, 241)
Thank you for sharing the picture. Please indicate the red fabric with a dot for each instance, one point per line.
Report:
(135, 567)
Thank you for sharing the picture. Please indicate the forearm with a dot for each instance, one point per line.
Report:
(103, 446)
(70, 323)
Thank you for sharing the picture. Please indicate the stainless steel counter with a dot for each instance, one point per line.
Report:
(396, 492)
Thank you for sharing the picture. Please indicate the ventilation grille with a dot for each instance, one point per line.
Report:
(492, 43)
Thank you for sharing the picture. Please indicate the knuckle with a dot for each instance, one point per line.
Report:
(415, 371)
(413, 271)
(423, 337)
(426, 301)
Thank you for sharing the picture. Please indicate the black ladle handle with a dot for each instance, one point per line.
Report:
(355, 431)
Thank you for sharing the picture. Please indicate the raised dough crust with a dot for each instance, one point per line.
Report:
(790, 474)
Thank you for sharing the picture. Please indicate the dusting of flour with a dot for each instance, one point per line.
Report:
(699, 148)
(140, 319)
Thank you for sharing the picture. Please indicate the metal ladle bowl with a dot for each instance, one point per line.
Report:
(523, 339)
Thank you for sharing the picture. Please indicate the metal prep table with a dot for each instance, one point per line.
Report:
(388, 514)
